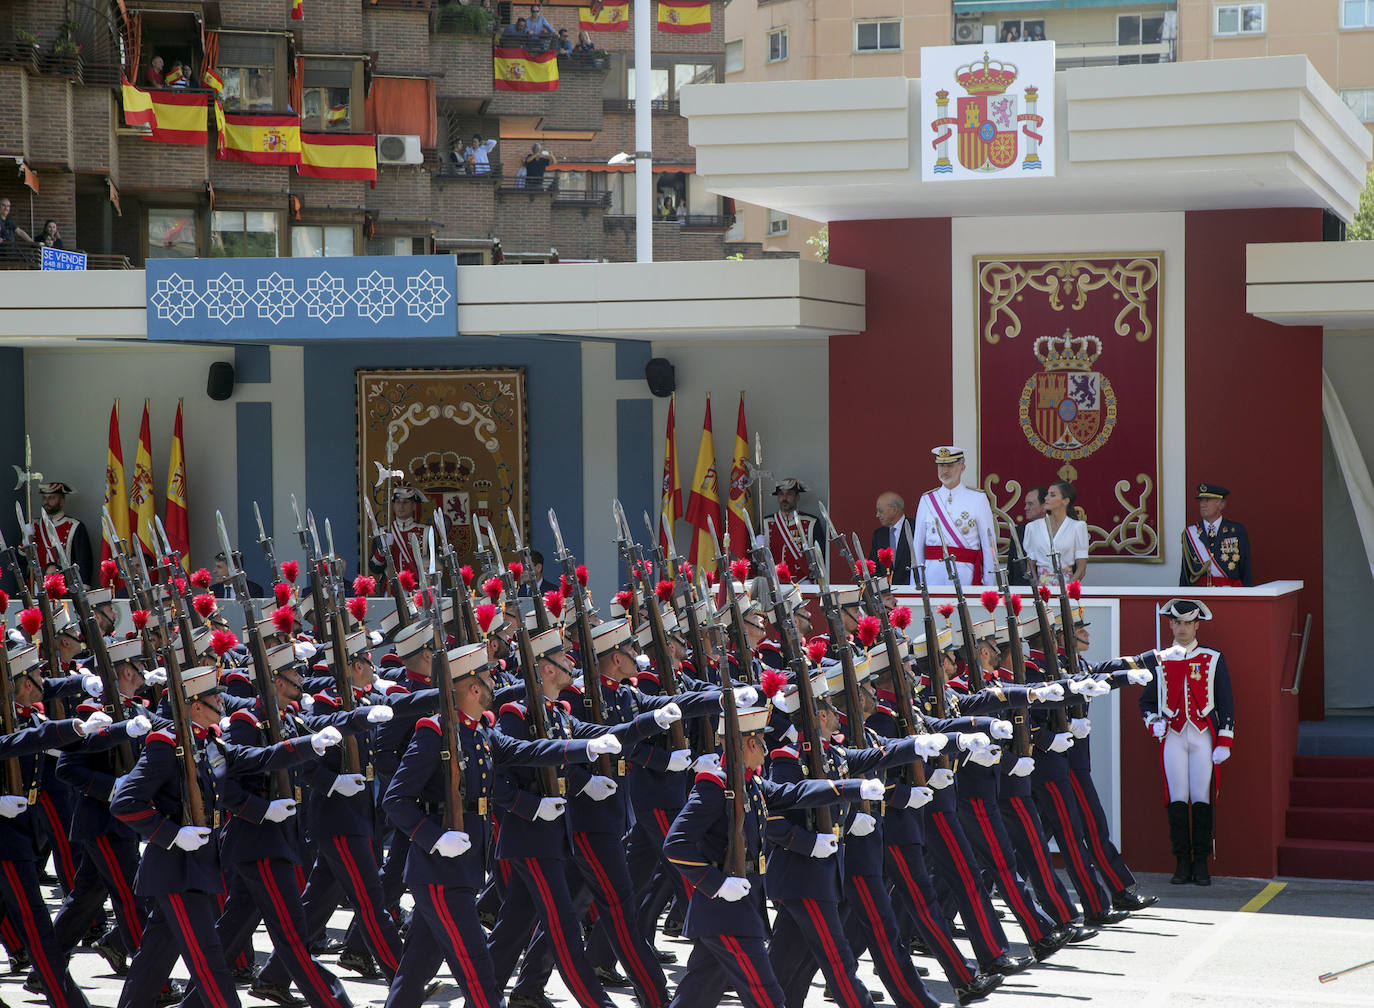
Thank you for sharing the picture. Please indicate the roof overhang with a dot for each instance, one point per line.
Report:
(1327, 284)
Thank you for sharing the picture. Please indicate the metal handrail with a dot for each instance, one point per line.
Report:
(1302, 657)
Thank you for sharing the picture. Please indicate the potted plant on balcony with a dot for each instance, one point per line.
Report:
(66, 51)
(464, 19)
(23, 50)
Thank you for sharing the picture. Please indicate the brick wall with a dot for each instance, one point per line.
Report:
(576, 105)
(524, 221)
(145, 164)
(698, 245)
(266, 15)
(56, 198)
(234, 178)
(465, 63)
(400, 38)
(14, 111)
(93, 118)
(329, 195)
(465, 208)
(335, 29)
(403, 192)
(618, 134)
(50, 109)
(710, 43)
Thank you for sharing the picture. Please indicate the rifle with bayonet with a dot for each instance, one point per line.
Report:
(343, 677)
(739, 636)
(140, 592)
(449, 559)
(635, 572)
(13, 775)
(1020, 725)
(451, 758)
(393, 583)
(265, 541)
(541, 615)
(193, 801)
(1058, 719)
(9, 557)
(736, 846)
(262, 672)
(591, 677)
(47, 642)
(310, 545)
(969, 647)
(935, 671)
(179, 591)
(1066, 621)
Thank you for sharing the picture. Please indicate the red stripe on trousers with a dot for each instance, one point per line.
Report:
(476, 994)
(875, 921)
(751, 974)
(842, 980)
(1090, 825)
(1075, 855)
(661, 817)
(919, 902)
(1042, 861)
(560, 940)
(368, 911)
(293, 938)
(37, 952)
(60, 845)
(199, 965)
(122, 891)
(1010, 889)
(974, 894)
(622, 927)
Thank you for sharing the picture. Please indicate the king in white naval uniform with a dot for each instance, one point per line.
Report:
(964, 517)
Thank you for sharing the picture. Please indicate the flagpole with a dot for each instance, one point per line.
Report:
(644, 164)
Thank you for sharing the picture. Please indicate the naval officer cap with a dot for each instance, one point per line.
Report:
(947, 454)
(1185, 610)
(1211, 491)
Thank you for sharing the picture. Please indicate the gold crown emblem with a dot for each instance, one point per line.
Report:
(1068, 352)
(990, 77)
(439, 470)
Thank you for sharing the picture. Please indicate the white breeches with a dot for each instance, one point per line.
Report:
(1188, 764)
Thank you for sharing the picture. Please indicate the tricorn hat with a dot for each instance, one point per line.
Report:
(1186, 610)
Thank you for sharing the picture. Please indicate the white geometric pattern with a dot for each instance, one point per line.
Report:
(425, 296)
(326, 298)
(376, 296)
(176, 299)
(224, 298)
(277, 298)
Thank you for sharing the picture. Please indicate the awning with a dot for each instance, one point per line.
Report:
(1000, 6)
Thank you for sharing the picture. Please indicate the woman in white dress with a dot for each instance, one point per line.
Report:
(1069, 536)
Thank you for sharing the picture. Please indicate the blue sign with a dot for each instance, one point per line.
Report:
(56, 259)
(302, 300)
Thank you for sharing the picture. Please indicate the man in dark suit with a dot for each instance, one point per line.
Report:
(224, 588)
(1035, 510)
(1216, 550)
(891, 534)
(538, 575)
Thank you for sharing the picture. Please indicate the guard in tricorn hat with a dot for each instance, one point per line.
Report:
(786, 543)
(1216, 550)
(70, 531)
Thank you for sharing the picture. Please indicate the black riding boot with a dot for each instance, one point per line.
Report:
(1178, 840)
(1202, 842)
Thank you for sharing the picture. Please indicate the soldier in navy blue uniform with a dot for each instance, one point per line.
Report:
(1216, 550)
(725, 915)
(446, 867)
(180, 872)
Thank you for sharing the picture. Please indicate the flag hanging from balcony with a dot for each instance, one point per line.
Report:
(262, 139)
(684, 17)
(138, 106)
(604, 15)
(179, 118)
(520, 70)
(339, 156)
(297, 10)
(336, 114)
(212, 81)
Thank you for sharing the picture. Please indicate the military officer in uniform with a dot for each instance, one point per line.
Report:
(70, 531)
(781, 532)
(405, 503)
(960, 518)
(1216, 550)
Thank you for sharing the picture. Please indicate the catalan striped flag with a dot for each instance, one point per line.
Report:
(604, 15)
(179, 117)
(684, 17)
(519, 70)
(262, 139)
(339, 156)
(138, 106)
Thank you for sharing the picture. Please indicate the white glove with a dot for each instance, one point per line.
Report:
(825, 846)
(604, 745)
(1048, 693)
(733, 889)
(941, 778)
(138, 726)
(224, 725)
(863, 824)
(669, 714)
(1023, 768)
(920, 796)
(452, 843)
(347, 785)
(96, 721)
(1140, 676)
(987, 756)
(379, 714)
(156, 677)
(192, 838)
(12, 806)
(709, 763)
(871, 789)
(324, 738)
(93, 685)
(1096, 688)
(929, 746)
(1175, 652)
(1080, 727)
(599, 788)
(1221, 754)
(549, 809)
(280, 810)
(1080, 687)
(1000, 730)
(1063, 742)
(642, 662)
(680, 760)
(974, 740)
(1159, 729)
(746, 696)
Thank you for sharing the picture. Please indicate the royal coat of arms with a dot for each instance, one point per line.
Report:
(1068, 410)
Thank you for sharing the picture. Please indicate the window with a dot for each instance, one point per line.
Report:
(172, 233)
(777, 45)
(777, 223)
(734, 56)
(249, 66)
(692, 73)
(659, 76)
(1139, 29)
(1361, 102)
(237, 233)
(327, 91)
(1021, 31)
(1240, 19)
(322, 240)
(877, 36)
(668, 79)
(1357, 14)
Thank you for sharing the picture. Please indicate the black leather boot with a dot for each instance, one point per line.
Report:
(1202, 842)
(1179, 841)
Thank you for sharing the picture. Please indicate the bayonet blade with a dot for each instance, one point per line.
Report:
(439, 525)
(429, 541)
(329, 537)
(314, 535)
(477, 533)
(557, 532)
(515, 531)
(371, 517)
(162, 532)
(300, 525)
(749, 525)
(829, 525)
(649, 526)
(225, 547)
(56, 541)
(711, 524)
(262, 531)
(621, 525)
(495, 547)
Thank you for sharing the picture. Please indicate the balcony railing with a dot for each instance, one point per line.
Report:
(27, 258)
(450, 168)
(582, 197)
(707, 222)
(659, 106)
(1082, 54)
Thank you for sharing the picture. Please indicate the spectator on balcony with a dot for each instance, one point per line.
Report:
(1011, 33)
(11, 234)
(538, 24)
(184, 81)
(585, 46)
(50, 236)
(536, 162)
(565, 46)
(517, 34)
(476, 155)
(152, 76)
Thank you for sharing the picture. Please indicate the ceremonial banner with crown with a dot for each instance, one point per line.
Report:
(459, 436)
(1069, 359)
(988, 110)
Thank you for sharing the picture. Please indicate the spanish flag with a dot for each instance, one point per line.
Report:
(670, 501)
(142, 506)
(704, 503)
(519, 70)
(604, 15)
(262, 139)
(176, 521)
(172, 76)
(684, 17)
(116, 494)
(741, 497)
(297, 10)
(339, 156)
(212, 81)
(179, 117)
(336, 113)
(138, 106)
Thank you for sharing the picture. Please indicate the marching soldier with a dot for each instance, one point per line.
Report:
(959, 518)
(405, 503)
(71, 533)
(781, 533)
(1216, 550)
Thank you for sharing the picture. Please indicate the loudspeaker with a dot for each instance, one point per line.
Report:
(661, 376)
(219, 383)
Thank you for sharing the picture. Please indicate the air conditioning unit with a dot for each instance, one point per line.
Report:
(398, 149)
(968, 29)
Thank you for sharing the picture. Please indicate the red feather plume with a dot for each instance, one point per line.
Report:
(4, 602)
(664, 590)
(712, 577)
(140, 618)
(1016, 604)
(1045, 592)
(201, 579)
(885, 557)
(55, 585)
(991, 599)
(773, 682)
(946, 610)
(816, 648)
(553, 602)
(491, 587)
(739, 569)
(284, 618)
(516, 568)
(422, 599)
(485, 613)
(290, 570)
(466, 573)
(282, 591)
(364, 584)
(181, 586)
(565, 587)
(783, 572)
(686, 570)
(872, 567)
(31, 621)
(223, 641)
(357, 607)
(1074, 590)
(109, 570)
(868, 630)
(204, 604)
(900, 617)
(625, 599)
(406, 579)
(581, 571)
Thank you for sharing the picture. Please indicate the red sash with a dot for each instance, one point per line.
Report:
(962, 554)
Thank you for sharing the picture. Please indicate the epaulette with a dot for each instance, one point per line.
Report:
(785, 752)
(326, 699)
(141, 701)
(768, 645)
(574, 688)
(88, 707)
(237, 675)
(245, 716)
(514, 708)
(161, 736)
(431, 723)
(396, 688)
(648, 674)
(708, 776)
(489, 717)
(567, 707)
(882, 709)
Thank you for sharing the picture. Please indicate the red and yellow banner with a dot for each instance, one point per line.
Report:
(138, 106)
(684, 17)
(339, 156)
(741, 497)
(704, 501)
(519, 70)
(604, 15)
(179, 117)
(297, 10)
(670, 500)
(262, 139)
(142, 506)
(212, 81)
(1068, 389)
(176, 518)
(116, 494)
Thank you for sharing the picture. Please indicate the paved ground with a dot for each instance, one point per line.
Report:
(1240, 944)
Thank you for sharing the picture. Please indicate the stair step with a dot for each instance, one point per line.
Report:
(1330, 859)
(1333, 766)
(1330, 824)
(1331, 792)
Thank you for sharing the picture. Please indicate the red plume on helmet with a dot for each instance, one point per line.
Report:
(739, 569)
(581, 571)
(485, 613)
(223, 641)
(31, 621)
(422, 599)
(945, 609)
(773, 682)
(783, 572)
(491, 587)
(553, 602)
(139, 616)
(565, 587)
(1045, 592)
(686, 570)
(290, 570)
(868, 629)
(1074, 589)
(466, 573)
(284, 618)
(364, 584)
(886, 556)
(871, 567)
(55, 585)
(712, 577)
(1016, 604)
(4, 602)
(357, 607)
(201, 579)
(204, 604)
(816, 648)
(625, 599)
(664, 590)
(900, 617)
(406, 579)
(991, 599)
(109, 570)
(516, 568)
(282, 592)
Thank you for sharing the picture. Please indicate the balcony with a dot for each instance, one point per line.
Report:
(585, 198)
(659, 106)
(576, 105)
(1068, 55)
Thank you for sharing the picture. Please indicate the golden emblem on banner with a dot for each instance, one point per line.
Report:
(1067, 410)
